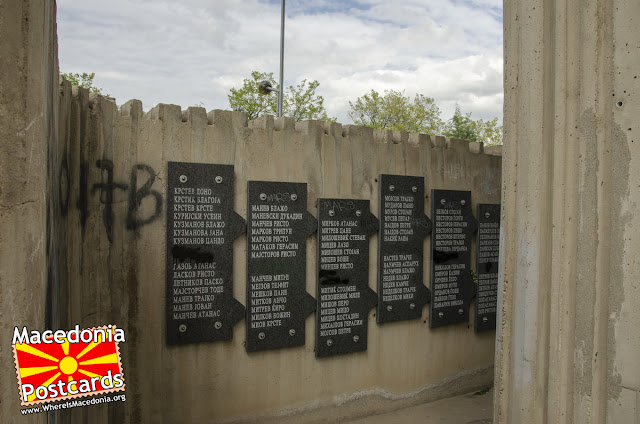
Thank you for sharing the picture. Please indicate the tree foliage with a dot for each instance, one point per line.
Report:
(84, 80)
(461, 126)
(395, 111)
(299, 102)
(464, 127)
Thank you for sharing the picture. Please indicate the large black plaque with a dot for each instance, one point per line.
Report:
(343, 294)
(487, 254)
(403, 227)
(278, 225)
(201, 227)
(452, 286)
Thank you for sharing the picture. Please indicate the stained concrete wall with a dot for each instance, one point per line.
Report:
(112, 262)
(28, 119)
(568, 346)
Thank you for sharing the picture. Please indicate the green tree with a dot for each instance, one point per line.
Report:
(299, 102)
(302, 103)
(248, 99)
(84, 80)
(395, 111)
(489, 132)
(461, 126)
(464, 127)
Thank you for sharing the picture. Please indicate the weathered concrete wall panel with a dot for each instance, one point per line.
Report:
(28, 119)
(568, 330)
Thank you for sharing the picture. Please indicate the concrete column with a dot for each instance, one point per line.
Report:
(28, 109)
(568, 340)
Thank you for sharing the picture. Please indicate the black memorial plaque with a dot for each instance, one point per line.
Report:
(201, 227)
(452, 286)
(278, 225)
(487, 254)
(343, 293)
(403, 228)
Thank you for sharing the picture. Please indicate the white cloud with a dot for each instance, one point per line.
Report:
(191, 52)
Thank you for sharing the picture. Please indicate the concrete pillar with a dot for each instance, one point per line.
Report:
(568, 345)
(28, 109)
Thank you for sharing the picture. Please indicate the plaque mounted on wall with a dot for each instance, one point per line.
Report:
(343, 293)
(487, 254)
(201, 227)
(452, 286)
(403, 228)
(278, 225)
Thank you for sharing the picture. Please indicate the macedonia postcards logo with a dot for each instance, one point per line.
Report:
(53, 366)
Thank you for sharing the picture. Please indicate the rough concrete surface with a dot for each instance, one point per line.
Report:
(567, 343)
(28, 92)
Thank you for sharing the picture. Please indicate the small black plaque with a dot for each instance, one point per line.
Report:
(487, 255)
(403, 227)
(452, 286)
(278, 225)
(343, 294)
(201, 227)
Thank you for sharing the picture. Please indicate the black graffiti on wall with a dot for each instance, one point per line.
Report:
(106, 194)
(139, 188)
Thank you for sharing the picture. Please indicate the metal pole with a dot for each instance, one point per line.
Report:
(281, 88)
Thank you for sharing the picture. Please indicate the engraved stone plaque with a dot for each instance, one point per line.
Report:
(452, 286)
(343, 294)
(403, 228)
(278, 225)
(201, 227)
(487, 254)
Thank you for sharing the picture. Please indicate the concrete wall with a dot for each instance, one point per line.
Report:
(112, 271)
(28, 119)
(568, 346)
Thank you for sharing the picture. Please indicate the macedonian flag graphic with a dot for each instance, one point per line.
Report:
(62, 365)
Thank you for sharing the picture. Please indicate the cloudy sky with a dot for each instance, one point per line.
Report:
(191, 52)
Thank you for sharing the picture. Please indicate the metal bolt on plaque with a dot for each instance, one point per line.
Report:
(392, 188)
(461, 311)
(183, 178)
(329, 342)
(440, 314)
(218, 325)
(332, 212)
(219, 179)
(356, 338)
(292, 332)
(414, 189)
(294, 197)
(263, 196)
(261, 336)
(412, 306)
(389, 308)
(182, 328)
(358, 213)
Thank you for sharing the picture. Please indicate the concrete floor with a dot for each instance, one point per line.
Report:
(472, 408)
